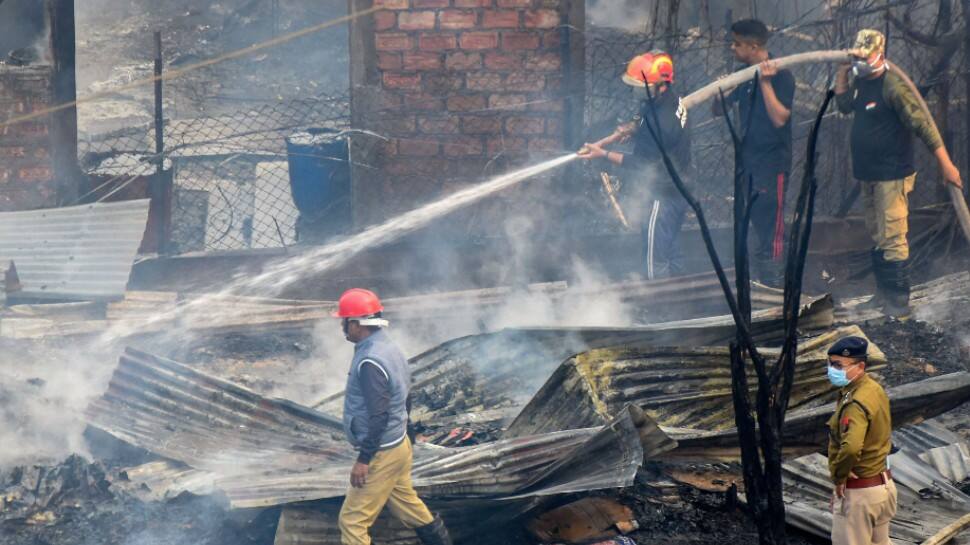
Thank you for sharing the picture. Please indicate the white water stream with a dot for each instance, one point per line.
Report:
(286, 272)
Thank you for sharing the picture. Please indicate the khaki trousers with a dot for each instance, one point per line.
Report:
(863, 516)
(887, 215)
(388, 483)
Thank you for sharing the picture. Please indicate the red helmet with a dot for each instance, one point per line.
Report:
(358, 303)
(656, 66)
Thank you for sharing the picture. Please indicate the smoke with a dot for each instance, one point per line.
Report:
(628, 15)
(44, 391)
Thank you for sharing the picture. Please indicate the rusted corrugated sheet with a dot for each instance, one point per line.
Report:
(927, 500)
(264, 452)
(683, 386)
(76, 252)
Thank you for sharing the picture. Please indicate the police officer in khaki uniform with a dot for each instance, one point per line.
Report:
(864, 495)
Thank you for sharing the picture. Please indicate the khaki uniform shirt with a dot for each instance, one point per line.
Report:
(859, 431)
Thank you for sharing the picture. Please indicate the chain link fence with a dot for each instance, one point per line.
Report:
(921, 40)
(232, 182)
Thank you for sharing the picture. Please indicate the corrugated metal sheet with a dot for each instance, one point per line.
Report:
(264, 452)
(806, 431)
(77, 252)
(684, 386)
(927, 500)
(936, 301)
(511, 365)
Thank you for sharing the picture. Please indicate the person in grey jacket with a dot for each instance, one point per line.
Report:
(376, 407)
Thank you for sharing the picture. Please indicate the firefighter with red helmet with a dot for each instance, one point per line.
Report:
(376, 406)
(643, 170)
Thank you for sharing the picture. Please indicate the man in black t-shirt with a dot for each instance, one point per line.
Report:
(765, 123)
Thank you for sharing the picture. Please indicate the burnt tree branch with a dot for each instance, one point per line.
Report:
(759, 430)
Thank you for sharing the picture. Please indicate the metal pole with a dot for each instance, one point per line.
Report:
(161, 186)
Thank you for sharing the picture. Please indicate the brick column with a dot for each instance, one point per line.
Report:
(460, 89)
(26, 169)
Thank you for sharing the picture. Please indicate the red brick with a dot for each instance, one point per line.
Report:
(421, 60)
(436, 42)
(397, 124)
(431, 3)
(507, 102)
(479, 40)
(520, 40)
(392, 41)
(463, 145)
(384, 20)
(41, 153)
(497, 145)
(388, 60)
(464, 103)
(515, 3)
(484, 81)
(26, 129)
(4, 175)
(443, 83)
(13, 152)
(547, 105)
(457, 19)
(442, 124)
(423, 148)
(544, 144)
(423, 101)
(503, 61)
(539, 62)
(391, 4)
(553, 82)
(391, 101)
(481, 125)
(472, 3)
(525, 125)
(524, 81)
(35, 174)
(398, 80)
(541, 18)
(500, 19)
(553, 126)
(550, 39)
(461, 60)
(416, 20)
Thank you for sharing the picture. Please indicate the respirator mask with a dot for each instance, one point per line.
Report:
(862, 68)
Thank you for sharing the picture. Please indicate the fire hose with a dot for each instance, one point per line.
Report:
(731, 81)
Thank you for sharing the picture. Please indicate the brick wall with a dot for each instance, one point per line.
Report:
(26, 169)
(461, 89)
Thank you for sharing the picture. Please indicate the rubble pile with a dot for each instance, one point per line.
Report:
(547, 435)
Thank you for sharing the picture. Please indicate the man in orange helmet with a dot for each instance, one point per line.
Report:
(663, 217)
(376, 407)
(766, 147)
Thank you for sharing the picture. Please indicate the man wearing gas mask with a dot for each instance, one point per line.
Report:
(886, 113)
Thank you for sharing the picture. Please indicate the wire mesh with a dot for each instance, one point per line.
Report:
(232, 185)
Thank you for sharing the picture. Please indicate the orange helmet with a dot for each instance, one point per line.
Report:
(358, 303)
(649, 69)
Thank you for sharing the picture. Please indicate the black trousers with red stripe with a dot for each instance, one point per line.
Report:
(768, 218)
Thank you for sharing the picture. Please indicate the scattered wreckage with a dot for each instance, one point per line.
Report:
(556, 413)
(600, 404)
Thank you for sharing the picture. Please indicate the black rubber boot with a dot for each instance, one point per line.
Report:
(879, 271)
(434, 533)
(898, 289)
